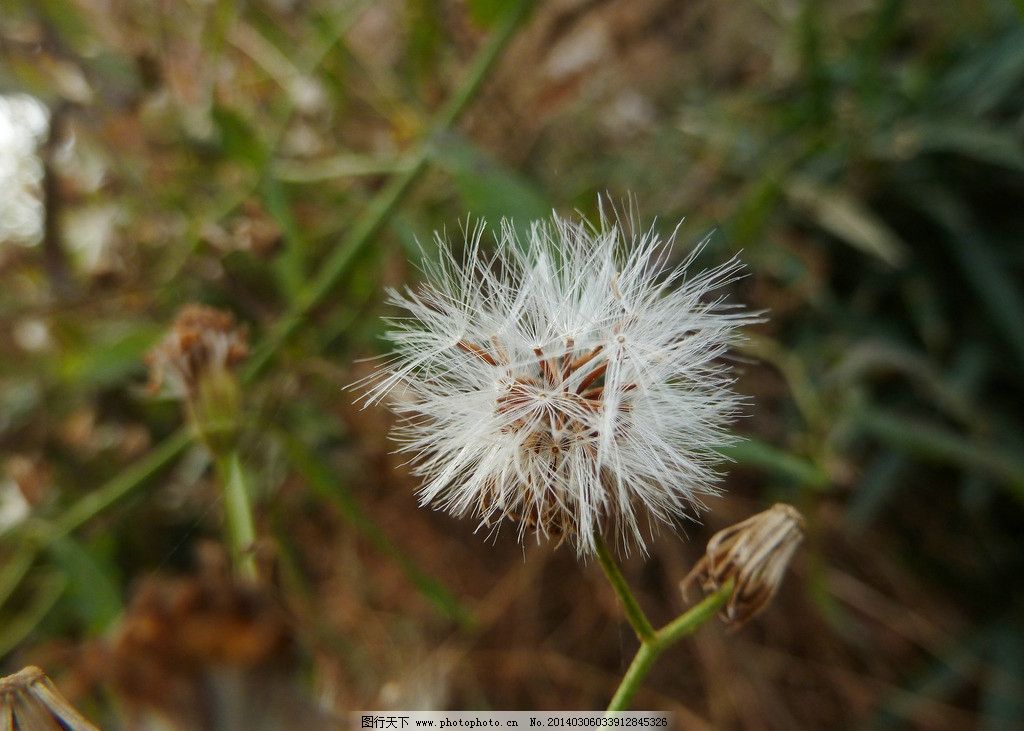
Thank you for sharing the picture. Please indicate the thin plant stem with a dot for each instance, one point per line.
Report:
(641, 625)
(652, 642)
(643, 660)
(649, 651)
(241, 530)
(39, 536)
(686, 623)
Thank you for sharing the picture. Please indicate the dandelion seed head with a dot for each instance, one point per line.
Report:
(571, 380)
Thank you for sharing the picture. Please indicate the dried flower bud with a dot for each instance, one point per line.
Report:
(753, 554)
(202, 339)
(194, 362)
(30, 700)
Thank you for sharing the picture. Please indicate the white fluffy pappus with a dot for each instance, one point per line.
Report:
(572, 382)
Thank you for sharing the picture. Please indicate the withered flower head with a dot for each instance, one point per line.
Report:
(29, 700)
(203, 339)
(753, 554)
(194, 361)
(205, 652)
(177, 631)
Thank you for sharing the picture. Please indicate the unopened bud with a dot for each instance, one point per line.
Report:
(754, 555)
(30, 700)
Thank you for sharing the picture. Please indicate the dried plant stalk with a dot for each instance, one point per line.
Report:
(29, 700)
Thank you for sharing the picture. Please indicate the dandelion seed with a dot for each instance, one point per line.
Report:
(572, 382)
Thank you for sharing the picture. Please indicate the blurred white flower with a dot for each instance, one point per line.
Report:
(24, 122)
(572, 381)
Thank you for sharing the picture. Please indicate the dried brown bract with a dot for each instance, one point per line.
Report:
(179, 635)
(203, 339)
(754, 555)
(29, 700)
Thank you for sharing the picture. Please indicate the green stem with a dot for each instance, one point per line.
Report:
(238, 514)
(634, 677)
(95, 502)
(686, 623)
(641, 625)
(652, 642)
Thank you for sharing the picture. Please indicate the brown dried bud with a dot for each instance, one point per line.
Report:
(202, 340)
(753, 554)
(194, 361)
(30, 700)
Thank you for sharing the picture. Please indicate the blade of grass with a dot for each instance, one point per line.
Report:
(321, 480)
(929, 441)
(13, 631)
(380, 207)
(763, 456)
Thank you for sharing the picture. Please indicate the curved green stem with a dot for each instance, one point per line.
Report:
(238, 514)
(652, 642)
(641, 625)
(686, 623)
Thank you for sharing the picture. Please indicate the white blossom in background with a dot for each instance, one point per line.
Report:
(14, 508)
(23, 127)
(572, 382)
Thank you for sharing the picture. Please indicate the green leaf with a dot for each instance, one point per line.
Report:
(763, 456)
(488, 189)
(848, 220)
(971, 140)
(92, 585)
(486, 12)
(238, 140)
(110, 358)
(48, 588)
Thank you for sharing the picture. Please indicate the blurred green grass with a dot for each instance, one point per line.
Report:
(867, 159)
